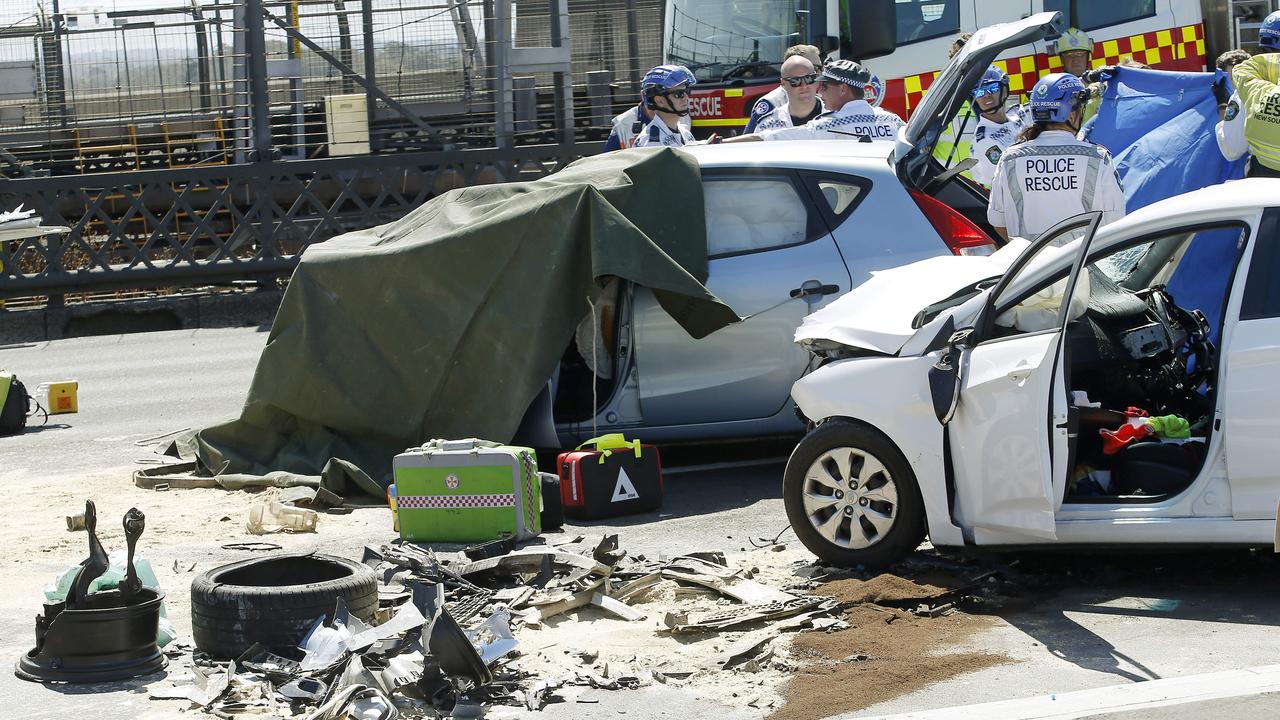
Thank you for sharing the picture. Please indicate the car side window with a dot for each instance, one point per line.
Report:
(751, 214)
(1262, 288)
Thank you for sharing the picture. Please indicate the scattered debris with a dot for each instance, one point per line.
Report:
(100, 623)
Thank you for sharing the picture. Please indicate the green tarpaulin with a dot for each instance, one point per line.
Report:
(448, 322)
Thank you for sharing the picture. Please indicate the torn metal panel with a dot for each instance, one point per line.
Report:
(627, 590)
(729, 583)
(615, 607)
(407, 618)
(530, 561)
(739, 615)
(493, 638)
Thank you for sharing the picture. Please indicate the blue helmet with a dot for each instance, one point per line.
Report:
(1055, 96)
(993, 80)
(1269, 33)
(663, 79)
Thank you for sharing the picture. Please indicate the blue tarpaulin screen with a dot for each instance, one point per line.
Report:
(1158, 126)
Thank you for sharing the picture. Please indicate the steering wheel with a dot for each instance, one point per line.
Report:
(1198, 347)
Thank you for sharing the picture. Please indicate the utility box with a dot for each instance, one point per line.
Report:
(347, 120)
(62, 397)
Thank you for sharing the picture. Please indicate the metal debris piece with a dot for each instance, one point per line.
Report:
(730, 583)
(627, 590)
(738, 615)
(493, 638)
(407, 618)
(615, 607)
(458, 658)
(277, 669)
(491, 549)
(607, 552)
(303, 690)
(464, 610)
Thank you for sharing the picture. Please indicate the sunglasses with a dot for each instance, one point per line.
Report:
(677, 94)
(809, 79)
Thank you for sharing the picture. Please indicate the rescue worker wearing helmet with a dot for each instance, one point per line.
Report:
(666, 92)
(1075, 50)
(1049, 175)
(997, 126)
(627, 125)
(1257, 83)
(842, 88)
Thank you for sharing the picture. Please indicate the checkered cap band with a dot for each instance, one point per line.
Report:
(456, 501)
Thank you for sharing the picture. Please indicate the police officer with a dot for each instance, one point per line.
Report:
(1049, 175)
(997, 127)
(1075, 49)
(627, 125)
(1258, 85)
(774, 99)
(849, 115)
(666, 92)
(1229, 131)
(801, 83)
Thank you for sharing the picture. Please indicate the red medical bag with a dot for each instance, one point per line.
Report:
(617, 477)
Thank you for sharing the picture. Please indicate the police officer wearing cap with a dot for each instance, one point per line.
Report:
(1258, 86)
(848, 116)
(627, 125)
(997, 126)
(666, 92)
(1049, 175)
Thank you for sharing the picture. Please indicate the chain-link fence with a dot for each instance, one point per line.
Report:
(167, 83)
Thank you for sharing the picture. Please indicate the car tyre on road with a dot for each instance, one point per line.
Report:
(275, 601)
(851, 496)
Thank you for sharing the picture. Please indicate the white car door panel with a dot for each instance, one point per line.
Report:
(743, 371)
(1000, 435)
(1252, 425)
(1009, 432)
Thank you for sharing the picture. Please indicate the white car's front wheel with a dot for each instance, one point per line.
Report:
(851, 497)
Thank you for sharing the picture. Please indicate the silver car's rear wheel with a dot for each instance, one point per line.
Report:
(850, 498)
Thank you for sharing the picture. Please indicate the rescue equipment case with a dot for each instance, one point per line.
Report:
(617, 477)
(467, 491)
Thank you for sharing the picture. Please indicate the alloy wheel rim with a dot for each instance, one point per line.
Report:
(850, 498)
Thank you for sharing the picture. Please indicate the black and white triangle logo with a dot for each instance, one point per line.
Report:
(624, 490)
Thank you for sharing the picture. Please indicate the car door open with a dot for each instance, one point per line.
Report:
(1009, 431)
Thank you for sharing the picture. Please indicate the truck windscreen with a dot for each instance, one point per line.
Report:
(721, 40)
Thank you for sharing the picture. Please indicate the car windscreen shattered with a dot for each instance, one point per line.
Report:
(880, 315)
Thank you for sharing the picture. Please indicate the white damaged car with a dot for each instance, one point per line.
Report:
(1098, 386)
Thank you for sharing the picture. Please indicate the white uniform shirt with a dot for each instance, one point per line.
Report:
(657, 133)
(767, 103)
(855, 118)
(780, 117)
(1043, 181)
(627, 124)
(1230, 131)
(991, 139)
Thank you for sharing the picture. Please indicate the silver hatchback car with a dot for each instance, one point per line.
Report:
(790, 227)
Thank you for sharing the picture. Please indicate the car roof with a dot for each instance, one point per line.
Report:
(1236, 198)
(814, 154)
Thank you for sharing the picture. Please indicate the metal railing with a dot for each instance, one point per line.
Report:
(202, 144)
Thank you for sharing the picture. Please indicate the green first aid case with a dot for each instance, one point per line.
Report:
(467, 491)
